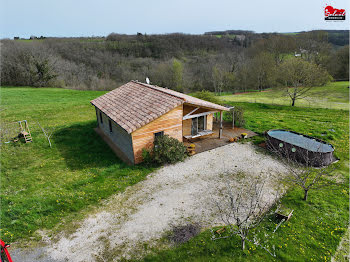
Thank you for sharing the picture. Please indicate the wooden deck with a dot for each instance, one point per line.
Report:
(213, 141)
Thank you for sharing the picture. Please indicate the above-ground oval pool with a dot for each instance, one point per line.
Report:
(299, 147)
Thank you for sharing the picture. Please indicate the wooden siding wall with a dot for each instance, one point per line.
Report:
(119, 137)
(186, 127)
(170, 123)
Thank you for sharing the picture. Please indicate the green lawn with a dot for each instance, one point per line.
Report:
(42, 186)
(316, 227)
(335, 95)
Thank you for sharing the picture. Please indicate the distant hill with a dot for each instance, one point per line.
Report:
(335, 37)
(181, 62)
(230, 32)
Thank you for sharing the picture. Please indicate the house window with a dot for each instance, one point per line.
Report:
(159, 134)
(198, 124)
(110, 125)
(101, 118)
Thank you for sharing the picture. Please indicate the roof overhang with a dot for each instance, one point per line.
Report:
(216, 109)
(189, 116)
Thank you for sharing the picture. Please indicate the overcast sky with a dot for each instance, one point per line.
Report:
(101, 17)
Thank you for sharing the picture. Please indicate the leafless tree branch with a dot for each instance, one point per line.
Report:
(244, 209)
(302, 170)
(47, 134)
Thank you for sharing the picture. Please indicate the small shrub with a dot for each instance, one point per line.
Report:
(168, 150)
(239, 116)
(147, 156)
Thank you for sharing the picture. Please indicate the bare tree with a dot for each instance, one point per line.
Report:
(243, 210)
(306, 169)
(313, 45)
(277, 45)
(218, 79)
(263, 66)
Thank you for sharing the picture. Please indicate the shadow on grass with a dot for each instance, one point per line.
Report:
(82, 147)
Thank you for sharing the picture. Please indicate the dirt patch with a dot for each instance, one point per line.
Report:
(173, 195)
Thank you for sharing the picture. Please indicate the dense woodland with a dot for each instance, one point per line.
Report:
(229, 61)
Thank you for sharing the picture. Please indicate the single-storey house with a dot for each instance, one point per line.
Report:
(131, 116)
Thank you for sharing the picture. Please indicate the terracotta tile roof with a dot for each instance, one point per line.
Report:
(189, 99)
(136, 104)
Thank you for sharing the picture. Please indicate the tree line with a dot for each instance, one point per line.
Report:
(188, 63)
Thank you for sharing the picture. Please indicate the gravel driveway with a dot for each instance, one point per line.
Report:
(170, 196)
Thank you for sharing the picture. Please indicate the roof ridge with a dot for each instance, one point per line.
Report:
(142, 107)
(183, 97)
(153, 87)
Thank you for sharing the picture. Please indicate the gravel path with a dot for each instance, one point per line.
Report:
(170, 196)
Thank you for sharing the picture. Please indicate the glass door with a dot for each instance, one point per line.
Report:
(194, 127)
(201, 123)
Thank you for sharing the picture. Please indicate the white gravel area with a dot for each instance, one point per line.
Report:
(170, 196)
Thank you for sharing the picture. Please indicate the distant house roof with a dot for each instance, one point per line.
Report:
(136, 104)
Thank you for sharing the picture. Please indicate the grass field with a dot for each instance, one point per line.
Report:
(335, 95)
(42, 186)
(316, 227)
